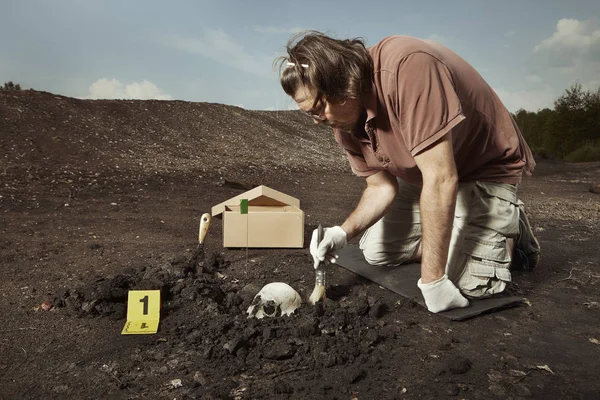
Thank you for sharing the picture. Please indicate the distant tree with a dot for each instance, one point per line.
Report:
(10, 86)
(573, 125)
(576, 121)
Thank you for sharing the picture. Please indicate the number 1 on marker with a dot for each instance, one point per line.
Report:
(145, 302)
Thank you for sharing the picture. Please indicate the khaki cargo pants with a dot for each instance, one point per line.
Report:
(478, 261)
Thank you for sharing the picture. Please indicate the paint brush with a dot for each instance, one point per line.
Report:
(318, 293)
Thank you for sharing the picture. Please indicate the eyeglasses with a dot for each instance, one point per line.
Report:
(317, 113)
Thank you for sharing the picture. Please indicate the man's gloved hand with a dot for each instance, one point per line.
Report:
(333, 239)
(442, 295)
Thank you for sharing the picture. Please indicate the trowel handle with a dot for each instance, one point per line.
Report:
(204, 223)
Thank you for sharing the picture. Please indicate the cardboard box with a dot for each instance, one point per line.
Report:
(274, 219)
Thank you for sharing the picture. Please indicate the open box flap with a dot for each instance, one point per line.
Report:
(259, 196)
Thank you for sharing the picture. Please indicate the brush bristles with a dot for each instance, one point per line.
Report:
(318, 294)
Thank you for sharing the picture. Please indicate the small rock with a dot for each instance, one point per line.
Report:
(175, 383)
(516, 373)
(46, 306)
(595, 188)
(459, 365)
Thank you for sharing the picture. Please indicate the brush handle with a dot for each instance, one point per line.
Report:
(320, 270)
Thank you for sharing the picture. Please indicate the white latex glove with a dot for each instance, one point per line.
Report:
(442, 295)
(333, 239)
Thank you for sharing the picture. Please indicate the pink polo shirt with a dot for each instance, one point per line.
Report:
(421, 92)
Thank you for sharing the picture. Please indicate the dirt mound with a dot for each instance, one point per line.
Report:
(184, 278)
(86, 139)
(205, 316)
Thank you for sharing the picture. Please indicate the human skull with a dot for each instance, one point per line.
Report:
(273, 300)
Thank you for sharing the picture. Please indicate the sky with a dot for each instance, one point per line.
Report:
(223, 51)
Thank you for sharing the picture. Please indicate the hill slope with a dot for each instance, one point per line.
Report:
(40, 131)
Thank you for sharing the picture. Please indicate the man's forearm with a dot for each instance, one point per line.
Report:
(438, 199)
(373, 205)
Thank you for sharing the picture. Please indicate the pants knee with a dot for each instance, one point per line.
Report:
(379, 257)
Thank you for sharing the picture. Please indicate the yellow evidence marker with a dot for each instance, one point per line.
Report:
(143, 312)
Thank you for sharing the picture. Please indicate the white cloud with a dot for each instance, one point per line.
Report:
(573, 43)
(113, 89)
(531, 100)
(571, 53)
(219, 46)
(510, 33)
(273, 30)
(571, 33)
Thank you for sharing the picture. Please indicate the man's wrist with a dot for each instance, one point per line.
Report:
(346, 228)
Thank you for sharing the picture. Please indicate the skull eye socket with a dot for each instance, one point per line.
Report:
(270, 308)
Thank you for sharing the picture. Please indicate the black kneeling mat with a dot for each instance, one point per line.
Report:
(403, 280)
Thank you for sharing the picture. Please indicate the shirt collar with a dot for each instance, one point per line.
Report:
(369, 101)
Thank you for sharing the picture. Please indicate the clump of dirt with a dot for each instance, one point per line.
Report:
(186, 277)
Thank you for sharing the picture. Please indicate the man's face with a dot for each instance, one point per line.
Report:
(338, 115)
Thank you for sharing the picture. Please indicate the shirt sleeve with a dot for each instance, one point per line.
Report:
(427, 105)
(354, 153)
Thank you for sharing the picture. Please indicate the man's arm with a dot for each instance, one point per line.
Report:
(377, 197)
(438, 199)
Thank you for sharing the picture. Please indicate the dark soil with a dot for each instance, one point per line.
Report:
(101, 197)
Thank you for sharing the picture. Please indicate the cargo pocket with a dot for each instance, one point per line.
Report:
(486, 269)
(496, 207)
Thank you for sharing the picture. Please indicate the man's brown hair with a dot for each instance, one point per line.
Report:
(337, 69)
